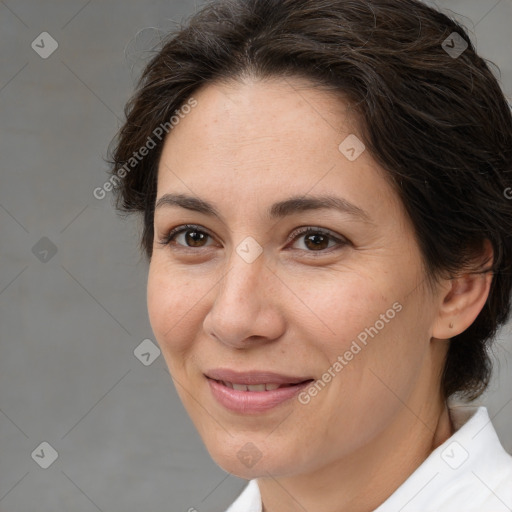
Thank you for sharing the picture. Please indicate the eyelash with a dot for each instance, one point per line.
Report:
(167, 240)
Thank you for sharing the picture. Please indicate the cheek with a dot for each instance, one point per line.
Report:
(376, 327)
(347, 307)
(174, 303)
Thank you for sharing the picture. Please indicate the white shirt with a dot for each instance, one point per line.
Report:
(470, 472)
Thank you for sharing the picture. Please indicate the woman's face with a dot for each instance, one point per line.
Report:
(338, 316)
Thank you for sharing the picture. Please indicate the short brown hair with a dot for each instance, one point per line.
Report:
(438, 123)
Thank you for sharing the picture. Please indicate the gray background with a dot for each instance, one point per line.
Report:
(69, 326)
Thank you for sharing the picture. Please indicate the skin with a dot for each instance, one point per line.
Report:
(295, 309)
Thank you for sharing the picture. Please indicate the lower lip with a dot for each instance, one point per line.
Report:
(248, 402)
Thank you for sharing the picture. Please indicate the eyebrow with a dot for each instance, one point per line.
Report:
(290, 206)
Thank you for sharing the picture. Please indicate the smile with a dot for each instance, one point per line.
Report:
(253, 392)
(254, 387)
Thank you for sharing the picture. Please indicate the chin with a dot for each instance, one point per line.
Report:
(248, 459)
(234, 467)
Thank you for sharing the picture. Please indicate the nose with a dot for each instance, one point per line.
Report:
(246, 309)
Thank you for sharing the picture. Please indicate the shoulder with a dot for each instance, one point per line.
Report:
(471, 471)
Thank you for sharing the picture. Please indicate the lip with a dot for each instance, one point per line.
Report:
(253, 377)
(253, 402)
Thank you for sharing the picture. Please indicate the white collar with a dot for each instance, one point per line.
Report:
(469, 472)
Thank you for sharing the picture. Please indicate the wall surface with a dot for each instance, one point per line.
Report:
(72, 282)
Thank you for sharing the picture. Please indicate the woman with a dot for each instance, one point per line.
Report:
(323, 192)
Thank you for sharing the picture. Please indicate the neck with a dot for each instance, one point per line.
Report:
(363, 480)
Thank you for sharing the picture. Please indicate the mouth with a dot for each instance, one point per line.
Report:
(257, 388)
(253, 392)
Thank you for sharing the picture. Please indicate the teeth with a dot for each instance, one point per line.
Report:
(256, 387)
(253, 387)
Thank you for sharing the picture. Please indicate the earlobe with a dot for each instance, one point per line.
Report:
(465, 298)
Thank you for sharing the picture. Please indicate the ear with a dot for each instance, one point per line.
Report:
(463, 297)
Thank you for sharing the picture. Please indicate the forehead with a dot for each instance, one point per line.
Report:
(235, 113)
(267, 118)
(256, 139)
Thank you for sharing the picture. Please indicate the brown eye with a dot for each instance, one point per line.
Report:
(187, 236)
(194, 238)
(316, 241)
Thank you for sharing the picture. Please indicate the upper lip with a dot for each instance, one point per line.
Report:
(253, 377)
